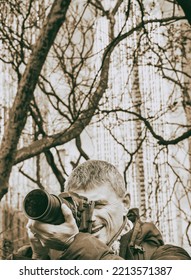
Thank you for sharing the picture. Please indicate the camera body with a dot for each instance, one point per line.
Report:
(41, 206)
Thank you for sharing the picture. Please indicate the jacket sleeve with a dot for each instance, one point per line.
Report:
(24, 253)
(170, 252)
(87, 247)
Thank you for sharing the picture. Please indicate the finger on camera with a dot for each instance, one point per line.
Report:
(29, 224)
(40, 227)
(66, 211)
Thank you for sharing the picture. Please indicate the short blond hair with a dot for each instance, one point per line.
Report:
(92, 174)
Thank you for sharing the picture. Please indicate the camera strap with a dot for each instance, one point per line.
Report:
(118, 233)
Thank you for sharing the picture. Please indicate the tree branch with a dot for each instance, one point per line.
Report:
(161, 140)
(186, 7)
(19, 110)
(84, 118)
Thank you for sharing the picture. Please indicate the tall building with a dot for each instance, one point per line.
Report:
(139, 86)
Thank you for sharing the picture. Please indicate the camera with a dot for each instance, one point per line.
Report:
(44, 207)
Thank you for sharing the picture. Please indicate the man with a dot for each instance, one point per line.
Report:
(102, 184)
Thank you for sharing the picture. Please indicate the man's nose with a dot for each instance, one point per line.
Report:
(93, 217)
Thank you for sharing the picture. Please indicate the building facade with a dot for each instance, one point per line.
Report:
(138, 86)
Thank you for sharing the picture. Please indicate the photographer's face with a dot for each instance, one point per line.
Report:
(108, 212)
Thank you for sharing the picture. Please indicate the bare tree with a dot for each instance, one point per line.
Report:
(64, 87)
(26, 87)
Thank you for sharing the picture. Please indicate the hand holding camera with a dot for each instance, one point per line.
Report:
(55, 220)
(57, 237)
(39, 251)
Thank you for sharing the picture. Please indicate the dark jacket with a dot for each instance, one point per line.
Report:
(87, 247)
(149, 245)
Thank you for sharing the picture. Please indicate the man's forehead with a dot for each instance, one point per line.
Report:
(99, 193)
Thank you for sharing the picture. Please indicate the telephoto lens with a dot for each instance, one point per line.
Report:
(42, 206)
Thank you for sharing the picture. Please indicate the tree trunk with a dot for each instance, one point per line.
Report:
(26, 87)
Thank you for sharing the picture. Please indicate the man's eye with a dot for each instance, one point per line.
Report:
(100, 204)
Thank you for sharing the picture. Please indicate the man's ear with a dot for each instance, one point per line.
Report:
(126, 203)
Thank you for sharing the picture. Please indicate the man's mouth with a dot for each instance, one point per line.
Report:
(97, 228)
